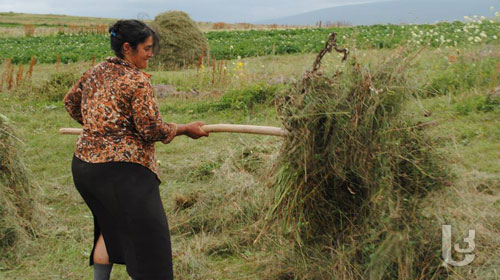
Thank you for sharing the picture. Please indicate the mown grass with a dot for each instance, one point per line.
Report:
(215, 189)
(62, 253)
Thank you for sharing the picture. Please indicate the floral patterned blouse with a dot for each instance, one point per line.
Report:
(114, 102)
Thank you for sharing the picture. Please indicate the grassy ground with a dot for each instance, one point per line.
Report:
(472, 201)
(215, 189)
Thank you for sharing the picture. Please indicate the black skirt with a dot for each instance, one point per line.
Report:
(125, 201)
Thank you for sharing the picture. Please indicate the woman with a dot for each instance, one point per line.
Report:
(114, 166)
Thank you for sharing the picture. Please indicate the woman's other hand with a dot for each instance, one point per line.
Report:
(192, 130)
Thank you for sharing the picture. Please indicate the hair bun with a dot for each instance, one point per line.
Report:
(115, 28)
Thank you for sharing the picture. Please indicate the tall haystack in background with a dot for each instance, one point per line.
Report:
(181, 41)
(18, 205)
(353, 173)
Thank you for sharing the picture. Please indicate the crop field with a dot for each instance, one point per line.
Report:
(233, 44)
(218, 191)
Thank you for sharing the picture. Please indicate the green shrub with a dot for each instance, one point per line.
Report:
(248, 97)
(463, 75)
(57, 86)
(482, 103)
(236, 99)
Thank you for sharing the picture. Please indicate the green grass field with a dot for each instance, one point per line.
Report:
(216, 190)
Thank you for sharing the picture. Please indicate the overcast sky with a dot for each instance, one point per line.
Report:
(200, 10)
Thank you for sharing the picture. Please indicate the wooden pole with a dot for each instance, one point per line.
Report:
(70, 131)
(233, 128)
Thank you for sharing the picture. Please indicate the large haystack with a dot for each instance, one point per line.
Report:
(181, 40)
(17, 197)
(354, 171)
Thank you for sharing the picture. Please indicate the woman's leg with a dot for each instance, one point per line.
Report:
(102, 267)
(100, 253)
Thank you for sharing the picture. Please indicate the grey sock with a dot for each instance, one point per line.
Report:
(102, 271)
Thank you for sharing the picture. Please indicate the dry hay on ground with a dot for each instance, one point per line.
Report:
(353, 173)
(17, 197)
(181, 41)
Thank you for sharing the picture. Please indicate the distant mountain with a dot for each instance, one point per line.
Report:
(395, 12)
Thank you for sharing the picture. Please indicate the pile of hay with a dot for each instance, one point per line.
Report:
(17, 197)
(181, 41)
(354, 171)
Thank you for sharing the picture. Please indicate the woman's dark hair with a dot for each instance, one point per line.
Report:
(132, 31)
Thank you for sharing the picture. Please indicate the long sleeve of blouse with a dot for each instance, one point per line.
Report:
(73, 100)
(120, 118)
(147, 117)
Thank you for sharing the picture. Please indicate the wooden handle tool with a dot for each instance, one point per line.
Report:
(233, 128)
